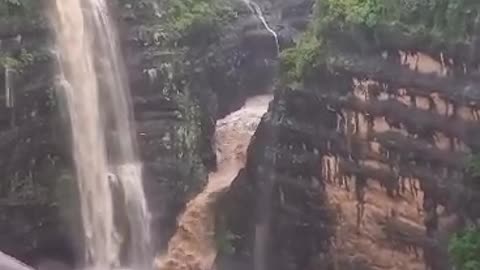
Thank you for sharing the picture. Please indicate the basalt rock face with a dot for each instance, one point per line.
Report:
(243, 62)
(374, 113)
(34, 156)
(329, 134)
(279, 199)
(408, 122)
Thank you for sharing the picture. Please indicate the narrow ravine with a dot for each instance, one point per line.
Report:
(193, 246)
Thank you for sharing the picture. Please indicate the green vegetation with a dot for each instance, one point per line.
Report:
(447, 19)
(351, 11)
(302, 60)
(473, 166)
(224, 241)
(19, 62)
(465, 250)
(434, 24)
(17, 7)
(464, 247)
(185, 14)
(224, 238)
(167, 21)
(19, 14)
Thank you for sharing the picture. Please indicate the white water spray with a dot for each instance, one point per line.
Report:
(255, 8)
(98, 102)
(9, 263)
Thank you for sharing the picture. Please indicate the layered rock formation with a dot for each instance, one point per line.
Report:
(280, 198)
(364, 112)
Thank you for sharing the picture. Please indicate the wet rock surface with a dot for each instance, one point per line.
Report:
(280, 191)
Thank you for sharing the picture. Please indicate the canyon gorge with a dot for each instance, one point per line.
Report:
(239, 134)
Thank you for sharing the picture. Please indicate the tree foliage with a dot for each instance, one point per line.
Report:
(353, 11)
(473, 166)
(301, 60)
(465, 250)
(451, 19)
(440, 23)
(187, 13)
(167, 21)
(17, 62)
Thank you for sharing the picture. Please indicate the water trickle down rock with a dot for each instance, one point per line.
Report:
(9, 98)
(257, 11)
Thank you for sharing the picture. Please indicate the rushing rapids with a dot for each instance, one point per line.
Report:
(97, 99)
(193, 246)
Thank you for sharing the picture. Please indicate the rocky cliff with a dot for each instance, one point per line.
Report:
(375, 119)
(279, 199)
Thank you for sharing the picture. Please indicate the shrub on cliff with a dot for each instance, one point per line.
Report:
(185, 14)
(446, 19)
(14, 7)
(18, 61)
(441, 28)
(465, 250)
(301, 60)
(166, 22)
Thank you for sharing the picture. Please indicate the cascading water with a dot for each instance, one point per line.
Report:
(255, 8)
(9, 101)
(193, 246)
(9, 263)
(98, 103)
(262, 229)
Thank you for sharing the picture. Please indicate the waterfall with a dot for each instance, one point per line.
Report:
(193, 245)
(255, 8)
(9, 263)
(96, 94)
(9, 98)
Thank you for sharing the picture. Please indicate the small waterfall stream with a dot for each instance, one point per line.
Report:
(9, 98)
(257, 11)
(193, 246)
(96, 95)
